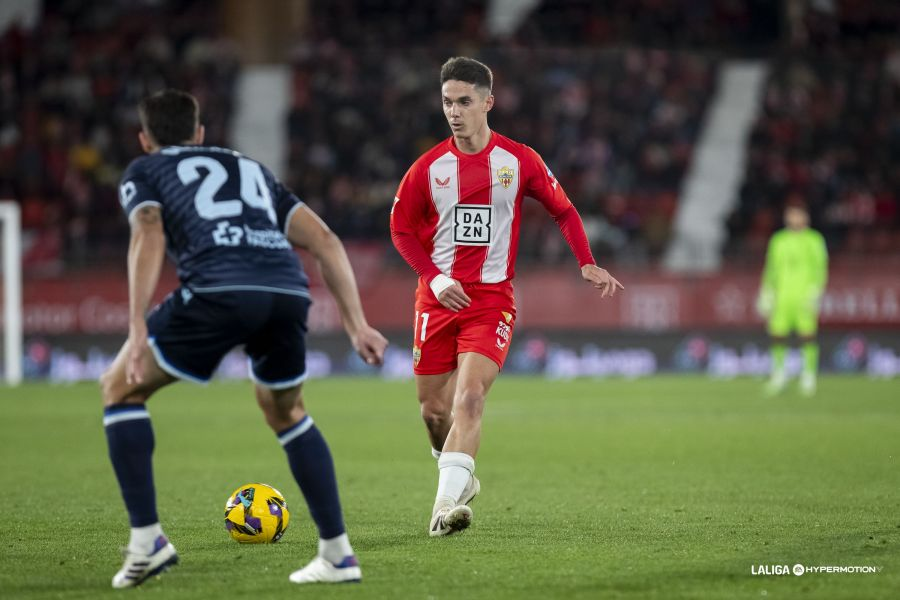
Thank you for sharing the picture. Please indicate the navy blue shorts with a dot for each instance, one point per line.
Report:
(190, 333)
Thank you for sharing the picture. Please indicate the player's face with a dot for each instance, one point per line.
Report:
(796, 218)
(465, 107)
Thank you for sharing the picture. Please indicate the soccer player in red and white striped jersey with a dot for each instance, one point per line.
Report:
(456, 220)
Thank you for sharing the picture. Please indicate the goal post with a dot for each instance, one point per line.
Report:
(11, 233)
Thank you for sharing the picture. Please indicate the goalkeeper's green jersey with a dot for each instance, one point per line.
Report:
(796, 264)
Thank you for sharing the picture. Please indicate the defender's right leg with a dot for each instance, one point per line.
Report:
(313, 468)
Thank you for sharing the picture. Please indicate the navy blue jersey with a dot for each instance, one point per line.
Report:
(225, 218)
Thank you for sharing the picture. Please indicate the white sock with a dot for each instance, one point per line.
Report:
(335, 549)
(436, 453)
(455, 470)
(143, 538)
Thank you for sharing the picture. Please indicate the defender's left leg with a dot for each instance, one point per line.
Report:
(129, 436)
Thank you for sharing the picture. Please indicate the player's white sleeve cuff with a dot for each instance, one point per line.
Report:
(439, 284)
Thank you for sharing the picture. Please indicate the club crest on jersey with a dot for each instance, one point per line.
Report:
(417, 355)
(505, 176)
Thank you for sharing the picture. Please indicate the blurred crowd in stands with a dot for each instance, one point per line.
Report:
(829, 134)
(68, 124)
(611, 93)
(616, 125)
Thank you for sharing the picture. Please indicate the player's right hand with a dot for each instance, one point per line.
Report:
(765, 303)
(370, 345)
(454, 297)
(134, 359)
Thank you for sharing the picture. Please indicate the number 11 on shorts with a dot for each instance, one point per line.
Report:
(421, 331)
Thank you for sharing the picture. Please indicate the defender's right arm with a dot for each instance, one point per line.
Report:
(306, 230)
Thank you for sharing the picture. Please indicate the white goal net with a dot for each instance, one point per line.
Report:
(11, 236)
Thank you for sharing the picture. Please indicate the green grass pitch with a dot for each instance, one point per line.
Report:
(661, 488)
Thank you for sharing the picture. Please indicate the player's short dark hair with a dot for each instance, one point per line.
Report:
(469, 70)
(796, 204)
(170, 117)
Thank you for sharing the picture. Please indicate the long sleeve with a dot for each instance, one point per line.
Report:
(543, 187)
(769, 270)
(406, 220)
(414, 254)
(572, 228)
(820, 257)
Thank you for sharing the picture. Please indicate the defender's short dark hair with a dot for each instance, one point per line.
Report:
(463, 68)
(170, 117)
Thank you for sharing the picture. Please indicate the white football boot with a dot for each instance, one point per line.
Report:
(808, 385)
(320, 570)
(472, 489)
(139, 567)
(450, 519)
(776, 383)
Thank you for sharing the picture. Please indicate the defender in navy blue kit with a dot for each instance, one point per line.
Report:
(230, 227)
(225, 219)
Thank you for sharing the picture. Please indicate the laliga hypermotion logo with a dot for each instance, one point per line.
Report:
(505, 176)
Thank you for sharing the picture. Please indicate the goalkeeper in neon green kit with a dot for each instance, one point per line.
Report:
(792, 284)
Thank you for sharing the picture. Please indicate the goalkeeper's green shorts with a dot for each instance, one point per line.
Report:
(793, 316)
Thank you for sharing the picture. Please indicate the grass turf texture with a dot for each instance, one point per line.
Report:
(660, 488)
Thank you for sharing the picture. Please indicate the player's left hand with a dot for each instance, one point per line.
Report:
(370, 345)
(765, 303)
(815, 300)
(601, 279)
(134, 360)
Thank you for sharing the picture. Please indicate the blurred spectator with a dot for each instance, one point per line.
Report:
(829, 134)
(68, 120)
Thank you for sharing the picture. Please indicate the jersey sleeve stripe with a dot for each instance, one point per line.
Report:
(142, 205)
(289, 216)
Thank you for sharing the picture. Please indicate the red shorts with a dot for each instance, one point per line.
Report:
(485, 327)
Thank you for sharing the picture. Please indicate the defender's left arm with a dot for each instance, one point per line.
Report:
(543, 186)
(146, 252)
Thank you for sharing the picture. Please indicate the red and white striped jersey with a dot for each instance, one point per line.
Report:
(465, 209)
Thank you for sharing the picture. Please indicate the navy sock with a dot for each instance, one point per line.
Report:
(311, 464)
(130, 438)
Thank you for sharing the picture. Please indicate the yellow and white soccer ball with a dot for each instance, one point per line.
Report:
(256, 513)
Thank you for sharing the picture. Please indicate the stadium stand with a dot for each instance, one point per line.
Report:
(617, 119)
(617, 126)
(69, 90)
(829, 135)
